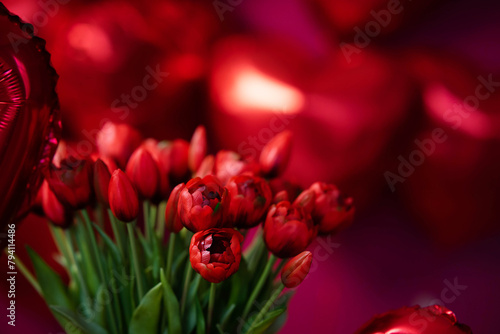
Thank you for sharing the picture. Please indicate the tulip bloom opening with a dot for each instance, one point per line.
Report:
(72, 182)
(216, 253)
(332, 211)
(203, 204)
(250, 198)
(288, 230)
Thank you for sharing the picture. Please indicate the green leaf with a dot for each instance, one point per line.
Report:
(226, 316)
(77, 322)
(109, 243)
(53, 289)
(193, 289)
(240, 283)
(99, 309)
(200, 318)
(178, 265)
(190, 319)
(171, 306)
(277, 324)
(147, 315)
(85, 259)
(268, 320)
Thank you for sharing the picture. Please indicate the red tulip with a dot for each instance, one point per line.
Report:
(296, 270)
(228, 164)
(279, 184)
(250, 199)
(306, 200)
(161, 155)
(72, 182)
(179, 159)
(276, 154)
(216, 253)
(280, 197)
(143, 172)
(118, 141)
(57, 213)
(172, 218)
(197, 148)
(101, 182)
(109, 162)
(123, 199)
(206, 167)
(332, 210)
(288, 230)
(203, 204)
(434, 319)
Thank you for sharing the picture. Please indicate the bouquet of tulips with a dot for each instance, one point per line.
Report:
(159, 237)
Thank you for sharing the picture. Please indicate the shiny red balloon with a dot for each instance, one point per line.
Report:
(434, 319)
(29, 123)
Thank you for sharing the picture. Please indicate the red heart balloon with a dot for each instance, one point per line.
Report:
(29, 117)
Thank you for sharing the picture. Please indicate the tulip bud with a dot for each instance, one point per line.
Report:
(332, 211)
(160, 151)
(206, 167)
(151, 145)
(118, 141)
(72, 182)
(228, 164)
(123, 199)
(288, 230)
(57, 213)
(276, 154)
(280, 197)
(101, 182)
(215, 253)
(306, 200)
(143, 172)
(197, 148)
(172, 218)
(296, 270)
(179, 159)
(110, 163)
(292, 189)
(250, 198)
(203, 204)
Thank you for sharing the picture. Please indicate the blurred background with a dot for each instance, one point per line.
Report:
(397, 102)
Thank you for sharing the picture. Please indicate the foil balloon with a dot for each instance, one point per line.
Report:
(434, 319)
(29, 124)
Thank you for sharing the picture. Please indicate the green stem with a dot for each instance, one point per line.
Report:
(211, 303)
(147, 225)
(97, 256)
(160, 224)
(22, 268)
(170, 255)
(185, 289)
(266, 308)
(157, 254)
(117, 234)
(280, 266)
(135, 257)
(93, 245)
(66, 239)
(260, 284)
